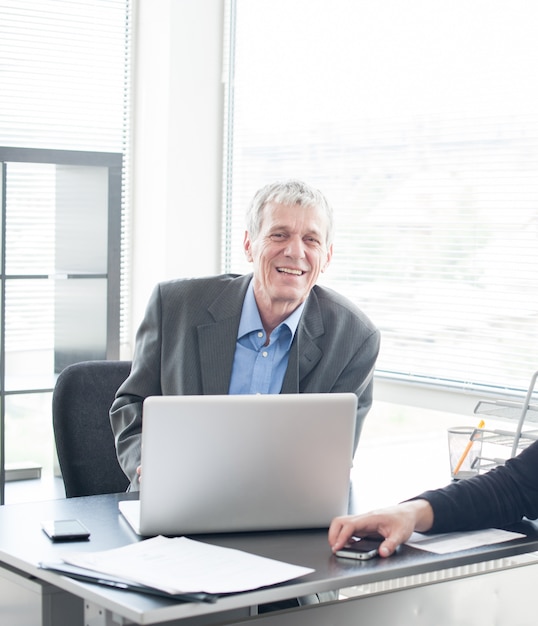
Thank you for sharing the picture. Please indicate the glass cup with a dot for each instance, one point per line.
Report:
(464, 450)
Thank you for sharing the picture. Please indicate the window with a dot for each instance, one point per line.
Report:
(419, 120)
(65, 69)
(64, 147)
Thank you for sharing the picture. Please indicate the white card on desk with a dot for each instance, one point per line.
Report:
(452, 542)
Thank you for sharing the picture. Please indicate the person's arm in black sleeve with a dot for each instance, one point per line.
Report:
(502, 496)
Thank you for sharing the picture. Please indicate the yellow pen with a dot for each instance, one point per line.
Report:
(468, 447)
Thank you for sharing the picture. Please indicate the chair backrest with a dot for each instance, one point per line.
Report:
(81, 400)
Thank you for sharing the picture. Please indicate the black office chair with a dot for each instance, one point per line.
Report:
(81, 400)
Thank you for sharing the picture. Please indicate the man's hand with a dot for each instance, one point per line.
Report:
(395, 524)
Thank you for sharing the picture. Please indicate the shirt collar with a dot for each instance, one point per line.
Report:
(251, 320)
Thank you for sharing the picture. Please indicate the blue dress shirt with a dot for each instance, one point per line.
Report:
(258, 368)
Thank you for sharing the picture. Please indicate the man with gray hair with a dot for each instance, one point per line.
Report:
(272, 331)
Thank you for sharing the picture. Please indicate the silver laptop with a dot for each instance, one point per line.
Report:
(214, 464)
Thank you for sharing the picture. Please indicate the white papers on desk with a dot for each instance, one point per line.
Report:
(452, 542)
(181, 565)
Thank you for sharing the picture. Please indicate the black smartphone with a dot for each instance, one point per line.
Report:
(66, 530)
(360, 549)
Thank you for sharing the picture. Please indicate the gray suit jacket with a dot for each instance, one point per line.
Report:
(186, 343)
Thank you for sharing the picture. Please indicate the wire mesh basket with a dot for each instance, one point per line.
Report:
(498, 444)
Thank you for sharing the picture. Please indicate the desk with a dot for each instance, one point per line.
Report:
(23, 545)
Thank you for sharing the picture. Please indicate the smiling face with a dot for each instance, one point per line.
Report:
(288, 255)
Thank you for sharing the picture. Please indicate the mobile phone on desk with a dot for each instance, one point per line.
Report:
(360, 549)
(65, 530)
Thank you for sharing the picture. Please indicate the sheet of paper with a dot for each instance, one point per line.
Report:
(452, 542)
(179, 564)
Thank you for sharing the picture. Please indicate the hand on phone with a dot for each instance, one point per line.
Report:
(360, 549)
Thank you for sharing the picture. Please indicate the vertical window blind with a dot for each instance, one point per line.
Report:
(419, 120)
(65, 84)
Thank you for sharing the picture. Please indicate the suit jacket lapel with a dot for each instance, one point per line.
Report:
(217, 340)
(305, 353)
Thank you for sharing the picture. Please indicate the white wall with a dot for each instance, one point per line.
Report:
(177, 143)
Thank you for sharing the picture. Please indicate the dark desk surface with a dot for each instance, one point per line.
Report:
(23, 545)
